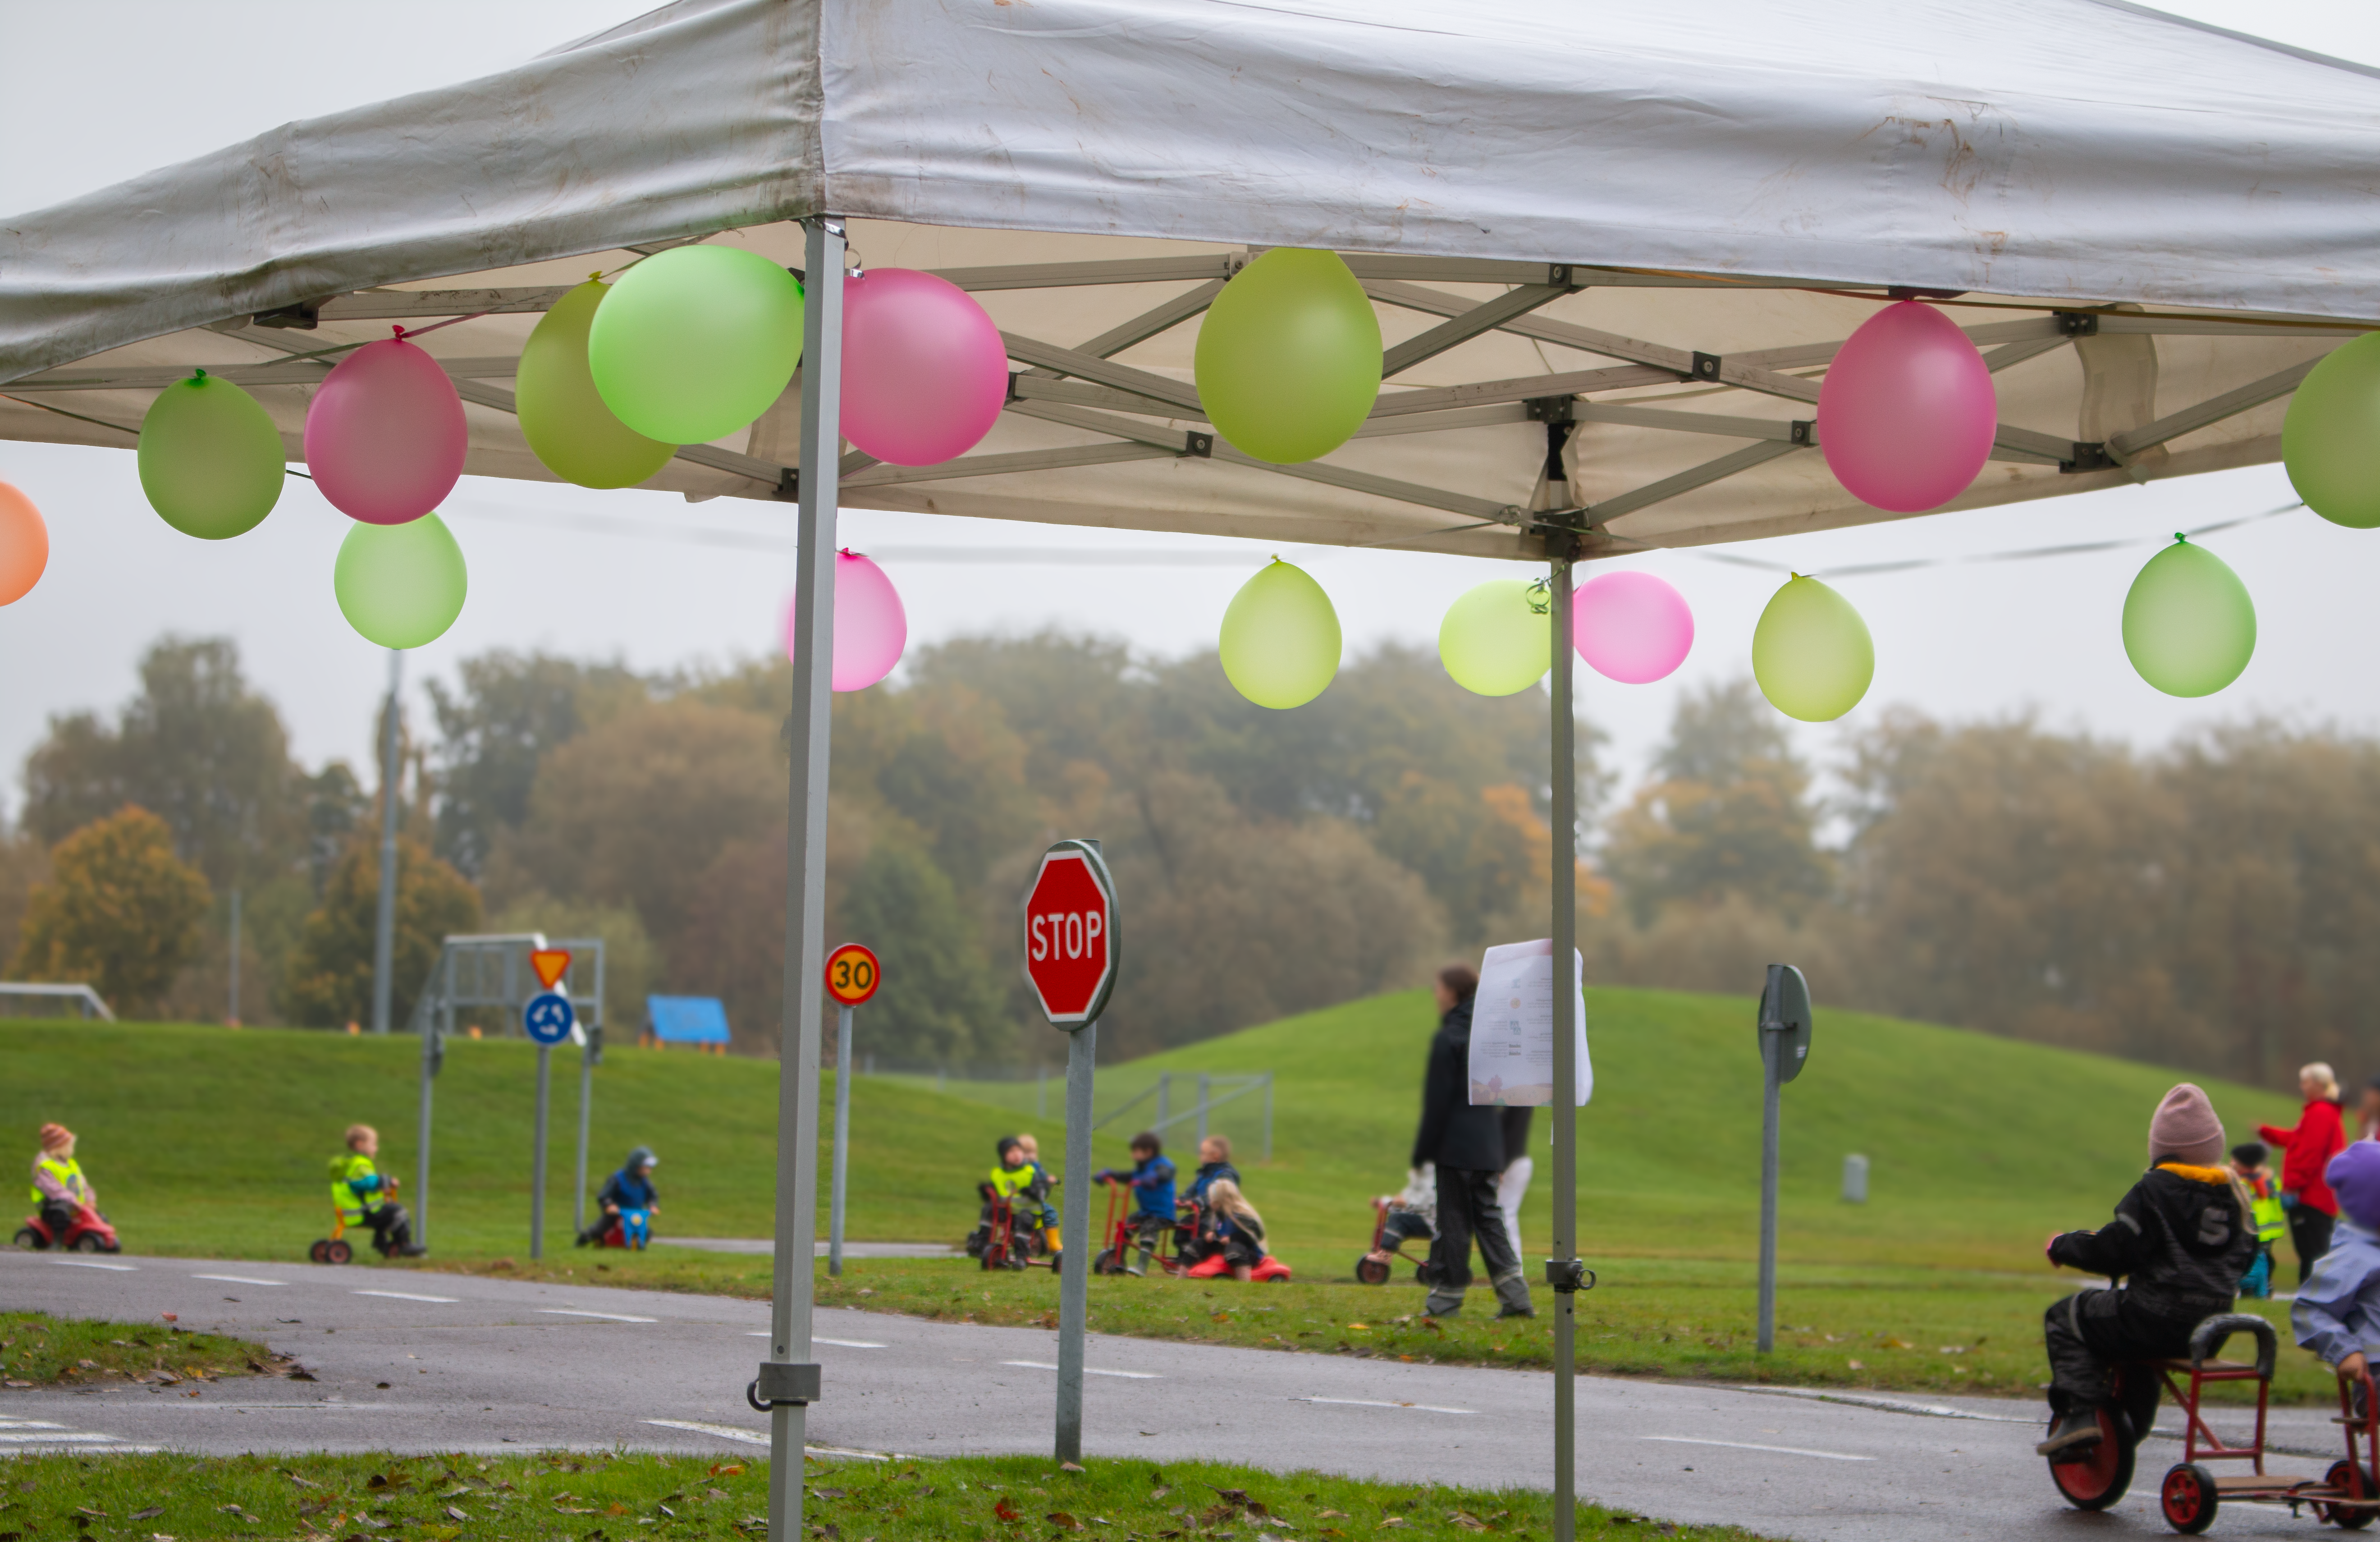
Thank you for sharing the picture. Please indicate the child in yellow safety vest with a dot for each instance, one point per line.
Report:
(2265, 1209)
(366, 1198)
(59, 1188)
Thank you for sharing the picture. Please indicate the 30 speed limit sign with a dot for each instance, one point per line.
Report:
(851, 975)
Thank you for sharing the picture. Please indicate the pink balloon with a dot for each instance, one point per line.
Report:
(386, 435)
(1631, 626)
(870, 628)
(1907, 412)
(924, 371)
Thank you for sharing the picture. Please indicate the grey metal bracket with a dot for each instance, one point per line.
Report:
(1902, 292)
(1552, 410)
(2088, 457)
(1197, 445)
(788, 1384)
(1569, 1276)
(1559, 273)
(789, 485)
(1805, 431)
(305, 315)
(2076, 324)
(1705, 367)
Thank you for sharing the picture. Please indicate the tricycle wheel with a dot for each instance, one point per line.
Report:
(2188, 1497)
(1371, 1271)
(319, 1251)
(87, 1243)
(27, 1237)
(337, 1251)
(2341, 1476)
(2098, 1478)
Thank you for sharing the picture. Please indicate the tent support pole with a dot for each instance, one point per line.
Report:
(1560, 1269)
(788, 1380)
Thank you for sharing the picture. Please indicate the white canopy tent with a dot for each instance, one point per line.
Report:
(1612, 248)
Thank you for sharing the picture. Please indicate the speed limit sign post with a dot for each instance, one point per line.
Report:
(1072, 955)
(853, 973)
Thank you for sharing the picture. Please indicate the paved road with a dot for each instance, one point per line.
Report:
(421, 1362)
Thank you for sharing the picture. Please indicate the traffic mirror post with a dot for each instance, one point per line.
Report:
(842, 1138)
(788, 1381)
(1784, 1050)
(1071, 954)
(537, 1164)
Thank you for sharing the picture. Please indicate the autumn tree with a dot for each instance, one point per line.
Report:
(119, 911)
(330, 979)
(496, 725)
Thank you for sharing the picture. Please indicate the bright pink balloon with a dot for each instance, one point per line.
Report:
(385, 436)
(1631, 626)
(870, 628)
(1907, 412)
(924, 371)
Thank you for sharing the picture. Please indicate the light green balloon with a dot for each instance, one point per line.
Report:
(401, 585)
(2330, 440)
(211, 460)
(1811, 652)
(2189, 627)
(1494, 640)
(1281, 638)
(695, 342)
(562, 414)
(1289, 356)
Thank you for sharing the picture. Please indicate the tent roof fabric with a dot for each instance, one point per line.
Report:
(1654, 222)
(687, 1019)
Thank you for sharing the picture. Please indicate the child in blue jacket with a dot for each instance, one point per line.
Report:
(628, 1197)
(1152, 1188)
(2336, 1314)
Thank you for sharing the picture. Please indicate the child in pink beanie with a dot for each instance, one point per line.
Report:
(2180, 1240)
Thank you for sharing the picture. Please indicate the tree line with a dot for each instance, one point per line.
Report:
(2201, 906)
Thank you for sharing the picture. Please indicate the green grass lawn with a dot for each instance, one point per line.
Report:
(213, 1141)
(597, 1495)
(38, 1349)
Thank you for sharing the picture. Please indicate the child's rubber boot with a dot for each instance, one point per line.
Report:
(1050, 1240)
(2076, 1431)
(1443, 1302)
(1512, 1291)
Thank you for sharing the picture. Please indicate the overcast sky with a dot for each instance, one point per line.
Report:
(99, 90)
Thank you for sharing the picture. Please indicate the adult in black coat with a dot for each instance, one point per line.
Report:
(1466, 1142)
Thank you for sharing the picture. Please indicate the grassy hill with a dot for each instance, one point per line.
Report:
(215, 1140)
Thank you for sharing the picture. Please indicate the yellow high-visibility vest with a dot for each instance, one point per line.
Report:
(344, 1171)
(68, 1173)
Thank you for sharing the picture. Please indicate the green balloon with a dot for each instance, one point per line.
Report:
(1288, 357)
(562, 414)
(1811, 652)
(1281, 638)
(695, 342)
(401, 585)
(2330, 440)
(1495, 640)
(211, 460)
(2189, 627)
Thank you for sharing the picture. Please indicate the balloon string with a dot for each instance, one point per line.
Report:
(78, 417)
(2025, 554)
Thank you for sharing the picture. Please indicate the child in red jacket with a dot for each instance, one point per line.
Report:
(2304, 1195)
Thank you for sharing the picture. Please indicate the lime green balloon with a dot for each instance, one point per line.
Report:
(1289, 356)
(695, 342)
(1811, 652)
(211, 460)
(1496, 640)
(2189, 627)
(562, 414)
(401, 585)
(1281, 638)
(2330, 440)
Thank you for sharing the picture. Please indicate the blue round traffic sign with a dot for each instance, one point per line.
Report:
(548, 1017)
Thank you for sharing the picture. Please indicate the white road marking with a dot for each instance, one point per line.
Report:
(1746, 1445)
(1374, 1403)
(408, 1295)
(29, 1424)
(754, 1438)
(608, 1316)
(92, 1263)
(1890, 1405)
(839, 1343)
(239, 1279)
(62, 1438)
(1087, 1370)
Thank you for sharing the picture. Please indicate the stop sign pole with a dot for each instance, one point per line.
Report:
(1071, 957)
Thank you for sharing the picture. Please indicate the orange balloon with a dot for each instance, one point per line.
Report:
(24, 545)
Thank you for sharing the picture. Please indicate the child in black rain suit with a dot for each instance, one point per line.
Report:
(2180, 1240)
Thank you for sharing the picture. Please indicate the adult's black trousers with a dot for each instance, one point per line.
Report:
(2309, 1234)
(1467, 1211)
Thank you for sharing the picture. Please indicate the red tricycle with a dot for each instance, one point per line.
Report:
(2347, 1495)
(1007, 1237)
(86, 1232)
(1388, 1243)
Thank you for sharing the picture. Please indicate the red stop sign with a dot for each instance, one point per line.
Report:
(1070, 946)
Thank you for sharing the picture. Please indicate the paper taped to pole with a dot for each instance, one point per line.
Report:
(1513, 1026)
